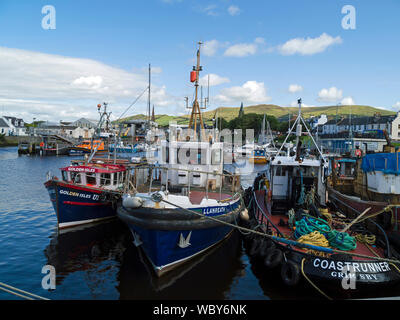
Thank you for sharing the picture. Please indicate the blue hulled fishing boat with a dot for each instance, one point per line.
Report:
(184, 204)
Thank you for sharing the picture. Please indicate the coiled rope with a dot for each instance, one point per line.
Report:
(340, 240)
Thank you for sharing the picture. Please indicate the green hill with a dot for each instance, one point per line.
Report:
(229, 113)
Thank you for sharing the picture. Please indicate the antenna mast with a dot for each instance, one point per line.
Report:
(148, 122)
(196, 108)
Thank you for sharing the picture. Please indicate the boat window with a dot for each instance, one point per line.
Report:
(91, 178)
(105, 179)
(280, 171)
(115, 178)
(216, 156)
(165, 154)
(122, 177)
(64, 175)
(76, 177)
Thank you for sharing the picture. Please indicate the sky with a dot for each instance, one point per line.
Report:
(58, 63)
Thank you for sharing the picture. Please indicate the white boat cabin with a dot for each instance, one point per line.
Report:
(191, 163)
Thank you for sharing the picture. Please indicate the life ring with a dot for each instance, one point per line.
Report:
(273, 258)
(290, 273)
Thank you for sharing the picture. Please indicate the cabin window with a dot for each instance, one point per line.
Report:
(115, 178)
(105, 179)
(91, 178)
(122, 177)
(280, 172)
(165, 154)
(64, 175)
(216, 156)
(76, 177)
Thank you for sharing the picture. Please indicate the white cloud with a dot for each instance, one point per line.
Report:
(249, 92)
(233, 10)
(210, 10)
(308, 46)
(214, 80)
(330, 95)
(347, 101)
(210, 47)
(50, 86)
(293, 88)
(396, 106)
(91, 82)
(241, 50)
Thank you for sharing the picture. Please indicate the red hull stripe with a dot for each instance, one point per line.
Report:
(83, 203)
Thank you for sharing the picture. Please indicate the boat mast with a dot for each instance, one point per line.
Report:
(298, 121)
(196, 108)
(148, 122)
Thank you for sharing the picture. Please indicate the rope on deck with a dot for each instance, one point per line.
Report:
(26, 295)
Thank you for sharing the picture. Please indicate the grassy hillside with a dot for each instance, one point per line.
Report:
(229, 113)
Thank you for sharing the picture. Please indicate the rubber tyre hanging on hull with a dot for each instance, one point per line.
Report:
(255, 246)
(290, 273)
(273, 258)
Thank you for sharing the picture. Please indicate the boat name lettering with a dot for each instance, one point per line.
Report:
(213, 210)
(77, 194)
(366, 267)
(79, 169)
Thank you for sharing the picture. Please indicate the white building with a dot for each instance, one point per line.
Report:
(15, 126)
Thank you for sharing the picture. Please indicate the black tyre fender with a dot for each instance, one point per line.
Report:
(255, 246)
(290, 273)
(273, 259)
(268, 246)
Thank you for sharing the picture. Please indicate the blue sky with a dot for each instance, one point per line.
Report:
(255, 51)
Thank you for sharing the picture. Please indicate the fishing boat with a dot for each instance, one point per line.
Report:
(123, 148)
(184, 205)
(302, 238)
(371, 181)
(245, 151)
(259, 156)
(87, 146)
(88, 189)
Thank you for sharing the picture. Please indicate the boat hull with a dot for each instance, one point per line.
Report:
(169, 241)
(76, 205)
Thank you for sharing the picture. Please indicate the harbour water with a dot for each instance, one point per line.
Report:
(100, 261)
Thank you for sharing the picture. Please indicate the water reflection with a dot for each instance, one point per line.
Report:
(209, 276)
(85, 248)
(98, 249)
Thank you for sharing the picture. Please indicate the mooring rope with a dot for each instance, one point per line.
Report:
(312, 283)
(27, 295)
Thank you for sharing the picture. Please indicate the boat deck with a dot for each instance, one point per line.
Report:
(277, 220)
